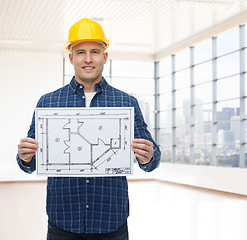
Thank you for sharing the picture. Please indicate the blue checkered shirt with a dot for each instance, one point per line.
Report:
(95, 204)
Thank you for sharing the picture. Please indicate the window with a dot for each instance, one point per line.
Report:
(203, 117)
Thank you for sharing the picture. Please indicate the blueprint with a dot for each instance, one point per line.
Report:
(84, 141)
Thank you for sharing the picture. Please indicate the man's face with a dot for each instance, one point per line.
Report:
(88, 59)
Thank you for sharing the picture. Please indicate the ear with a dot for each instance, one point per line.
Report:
(105, 57)
(71, 58)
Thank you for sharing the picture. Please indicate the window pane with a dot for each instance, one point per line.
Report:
(203, 51)
(132, 69)
(166, 120)
(228, 152)
(181, 116)
(228, 88)
(203, 109)
(133, 85)
(245, 151)
(203, 153)
(106, 71)
(68, 67)
(228, 41)
(181, 95)
(146, 103)
(203, 72)
(228, 104)
(186, 116)
(223, 119)
(182, 59)
(165, 101)
(199, 119)
(166, 153)
(246, 55)
(67, 79)
(183, 146)
(235, 128)
(166, 138)
(227, 128)
(245, 30)
(182, 78)
(228, 65)
(165, 66)
(166, 135)
(204, 133)
(165, 84)
(225, 111)
(108, 79)
(203, 93)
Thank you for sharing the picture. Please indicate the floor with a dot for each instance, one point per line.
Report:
(158, 210)
(166, 211)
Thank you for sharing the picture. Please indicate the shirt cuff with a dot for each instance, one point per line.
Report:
(147, 166)
(28, 168)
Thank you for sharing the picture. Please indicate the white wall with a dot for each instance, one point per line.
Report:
(23, 213)
(24, 77)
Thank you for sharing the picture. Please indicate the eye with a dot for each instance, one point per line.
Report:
(80, 52)
(95, 51)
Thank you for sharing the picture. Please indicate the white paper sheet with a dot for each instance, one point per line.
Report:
(84, 141)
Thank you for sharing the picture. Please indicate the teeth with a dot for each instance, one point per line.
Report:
(88, 68)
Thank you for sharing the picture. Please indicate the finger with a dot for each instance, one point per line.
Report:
(142, 153)
(142, 159)
(145, 149)
(27, 150)
(27, 157)
(142, 141)
(29, 140)
(28, 145)
(142, 146)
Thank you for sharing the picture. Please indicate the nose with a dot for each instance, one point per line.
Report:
(88, 58)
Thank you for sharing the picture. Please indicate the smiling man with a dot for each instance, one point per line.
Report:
(94, 208)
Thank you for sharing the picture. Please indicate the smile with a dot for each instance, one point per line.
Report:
(88, 68)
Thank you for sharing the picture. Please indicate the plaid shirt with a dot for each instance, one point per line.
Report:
(95, 204)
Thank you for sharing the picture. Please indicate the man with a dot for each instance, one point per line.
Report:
(95, 207)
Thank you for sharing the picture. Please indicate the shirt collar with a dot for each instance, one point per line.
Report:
(100, 86)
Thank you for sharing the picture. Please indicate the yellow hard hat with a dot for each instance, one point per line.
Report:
(86, 30)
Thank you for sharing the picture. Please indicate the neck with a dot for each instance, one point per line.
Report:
(88, 85)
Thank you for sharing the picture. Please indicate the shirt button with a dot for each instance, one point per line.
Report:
(83, 97)
(87, 181)
(80, 86)
(87, 206)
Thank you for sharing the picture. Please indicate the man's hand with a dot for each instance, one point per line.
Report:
(143, 150)
(27, 149)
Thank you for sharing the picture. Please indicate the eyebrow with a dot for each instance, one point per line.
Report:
(94, 49)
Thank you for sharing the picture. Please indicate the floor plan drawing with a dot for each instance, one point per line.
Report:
(84, 141)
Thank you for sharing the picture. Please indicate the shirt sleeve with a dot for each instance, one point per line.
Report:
(31, 167)
(141, 131)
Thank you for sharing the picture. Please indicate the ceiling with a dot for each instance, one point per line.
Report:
(137, 29)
